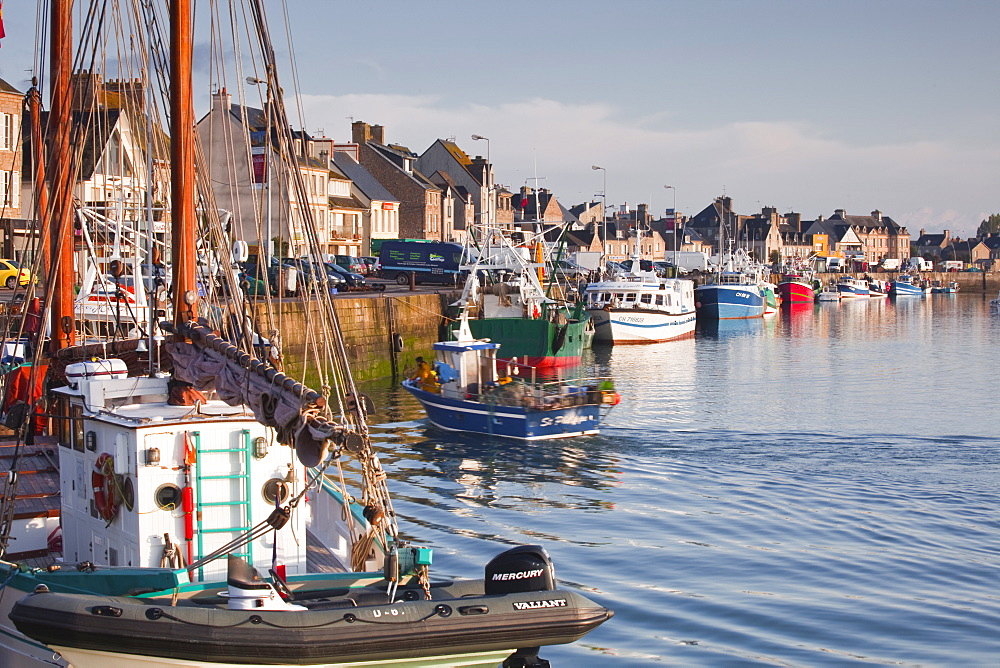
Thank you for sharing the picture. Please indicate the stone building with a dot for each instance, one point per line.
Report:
(394, 167)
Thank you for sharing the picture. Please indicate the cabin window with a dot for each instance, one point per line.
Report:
(76, 414)
(168, 497)
(275, 491)
(659, 300)
(646, 299)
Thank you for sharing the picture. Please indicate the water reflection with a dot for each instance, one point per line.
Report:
(726, 329)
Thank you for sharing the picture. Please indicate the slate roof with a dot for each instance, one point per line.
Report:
(582, 238)
(931, 240)
(396, 154)
(869, 222)
(7, 88)
(361, 177)
(98, 126)
(992, 242)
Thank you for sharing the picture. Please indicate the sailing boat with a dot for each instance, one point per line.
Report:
(179, 487)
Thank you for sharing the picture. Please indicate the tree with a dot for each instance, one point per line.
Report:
(775, 257)
(989, 226)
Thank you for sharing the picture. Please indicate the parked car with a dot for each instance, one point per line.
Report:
(12, 274)
(255, 274)
(372, 263)
(667, 268)
(354, 280)
(569, 271)
(333, 278)
(350, 263)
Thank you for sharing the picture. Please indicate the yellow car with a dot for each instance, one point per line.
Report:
(13, 274)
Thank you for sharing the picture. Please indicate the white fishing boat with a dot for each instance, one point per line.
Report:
(185, 477)
(829, 293)
(639, 306)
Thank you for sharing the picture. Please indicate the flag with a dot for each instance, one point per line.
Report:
(524, 199)
(2, 33)
(670, 219)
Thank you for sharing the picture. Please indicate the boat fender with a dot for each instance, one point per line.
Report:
(102, 480)
(520, 569)
(397, 341)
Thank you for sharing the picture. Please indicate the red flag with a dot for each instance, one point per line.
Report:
(524, 200)
(2, 33)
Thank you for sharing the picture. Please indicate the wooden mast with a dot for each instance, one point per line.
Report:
(34, 100)
(182, 186)
(59, 218)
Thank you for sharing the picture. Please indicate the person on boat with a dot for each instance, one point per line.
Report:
(425, 374)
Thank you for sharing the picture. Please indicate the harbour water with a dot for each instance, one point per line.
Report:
(816, 489)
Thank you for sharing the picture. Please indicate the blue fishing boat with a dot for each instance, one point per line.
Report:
(906, 286)
(849, 286)
(466, 392)
(735, 291)
(731, 295)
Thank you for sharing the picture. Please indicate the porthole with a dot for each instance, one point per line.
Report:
(274, 488)
(168, 497)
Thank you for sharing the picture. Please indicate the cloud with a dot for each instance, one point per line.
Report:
(789, 165)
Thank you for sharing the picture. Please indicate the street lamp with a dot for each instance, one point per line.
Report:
(674, 192)
(489, 180)
(604, 214)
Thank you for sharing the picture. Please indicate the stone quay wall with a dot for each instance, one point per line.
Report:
(383, 334)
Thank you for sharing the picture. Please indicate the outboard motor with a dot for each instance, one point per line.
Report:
(524, 568)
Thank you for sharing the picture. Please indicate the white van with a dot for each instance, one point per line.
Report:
(834, 264)
(891, 264)
(920, 264)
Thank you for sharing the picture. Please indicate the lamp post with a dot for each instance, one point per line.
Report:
(604, 214)
(488, 177)
(674, 193)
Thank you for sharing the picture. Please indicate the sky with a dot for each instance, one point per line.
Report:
(805, 105)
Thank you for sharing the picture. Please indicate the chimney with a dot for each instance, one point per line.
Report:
(361, 132)
(351, 149)
(131, 95)
(947, 237)
(378, 134)
(85, 90)
(840, 213)
(877, 215)
(221, 100)
(922, 232)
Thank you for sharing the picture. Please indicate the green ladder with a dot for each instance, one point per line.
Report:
(239, 467)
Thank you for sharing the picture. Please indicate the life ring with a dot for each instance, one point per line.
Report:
(102, 479)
